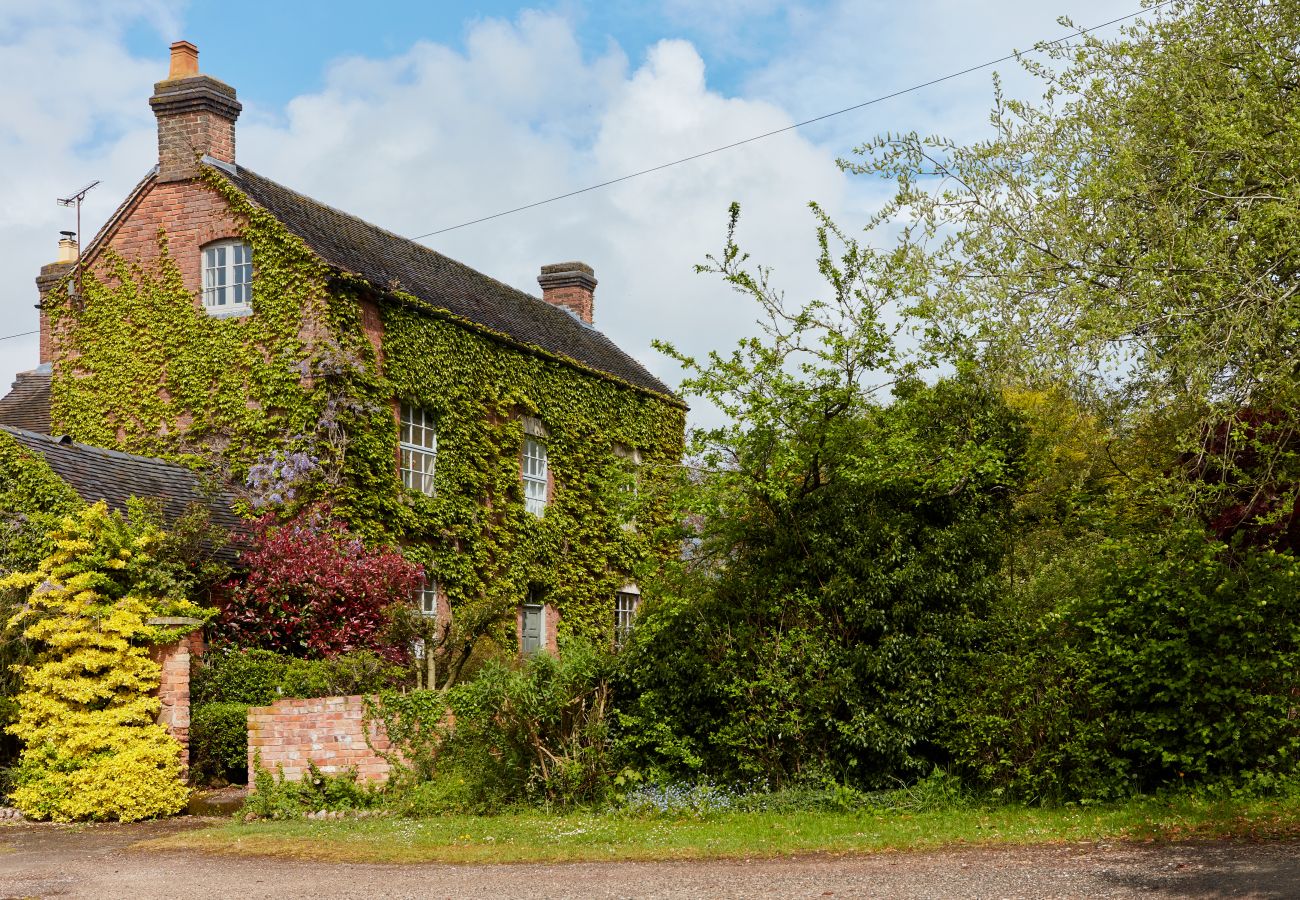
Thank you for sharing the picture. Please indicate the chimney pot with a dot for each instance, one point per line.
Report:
(67, 249)
(571, 286)
(185, 61)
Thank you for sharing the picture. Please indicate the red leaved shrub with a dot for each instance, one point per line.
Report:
(313, 589)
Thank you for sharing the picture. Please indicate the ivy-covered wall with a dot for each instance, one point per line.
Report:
(141, 367)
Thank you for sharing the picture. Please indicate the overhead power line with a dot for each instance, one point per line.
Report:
(20, 334)
(805, 122)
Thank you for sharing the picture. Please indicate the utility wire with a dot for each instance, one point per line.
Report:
(821, 118)
(20, 334)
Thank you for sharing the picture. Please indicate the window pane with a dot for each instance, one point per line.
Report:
(535, 476)
(419, 448)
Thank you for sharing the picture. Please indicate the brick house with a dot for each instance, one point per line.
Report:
(498, 436)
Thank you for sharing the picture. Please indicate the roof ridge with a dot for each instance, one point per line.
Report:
(393, 234)
(394, 265)
(102, 451)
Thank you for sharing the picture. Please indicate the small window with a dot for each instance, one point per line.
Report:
(625, 607)
(227, 277)
(533, 626)
(426, 599)
(535, 475)
(419, 449)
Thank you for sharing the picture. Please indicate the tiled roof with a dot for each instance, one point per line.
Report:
(387, 260)
(27, 406)
(98, 474)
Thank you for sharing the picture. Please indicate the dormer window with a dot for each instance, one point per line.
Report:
(227, 277)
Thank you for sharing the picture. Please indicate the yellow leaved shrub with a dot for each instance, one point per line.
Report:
(92, 748)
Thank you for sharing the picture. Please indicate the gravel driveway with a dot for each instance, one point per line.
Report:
(49, 861)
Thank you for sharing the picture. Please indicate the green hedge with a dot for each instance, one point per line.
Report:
(219, 743)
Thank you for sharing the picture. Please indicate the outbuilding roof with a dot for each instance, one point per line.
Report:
(110, 475)
(27, 406)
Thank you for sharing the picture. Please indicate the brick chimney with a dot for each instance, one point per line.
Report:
(196, 116)
(571, 286)
(51, 275)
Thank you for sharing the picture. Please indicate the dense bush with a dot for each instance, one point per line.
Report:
(274, 797)
(824, 642)
(314, 589)
(92, 748)
(536, 732)
(219, 743)
(1179, 663)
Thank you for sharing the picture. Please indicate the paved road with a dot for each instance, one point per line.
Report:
(45, 861)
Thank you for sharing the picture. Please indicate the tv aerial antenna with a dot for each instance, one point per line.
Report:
(75, 200)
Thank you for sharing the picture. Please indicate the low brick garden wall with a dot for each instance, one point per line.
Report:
(327, 731)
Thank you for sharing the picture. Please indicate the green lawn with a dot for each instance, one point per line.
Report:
(541, 837)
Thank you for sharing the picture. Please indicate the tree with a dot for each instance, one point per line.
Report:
(845, 550)
(91, 746)
(1133, 239)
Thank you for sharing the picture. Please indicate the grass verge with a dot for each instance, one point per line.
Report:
(584, 836)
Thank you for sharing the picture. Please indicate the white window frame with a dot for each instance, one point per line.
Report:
(535, 472)
(627, 603)
(426, 598)
(227, 277)
(418, 448)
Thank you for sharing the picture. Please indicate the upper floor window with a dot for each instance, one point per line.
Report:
(419, 449)
(536, 472)
(227, 276)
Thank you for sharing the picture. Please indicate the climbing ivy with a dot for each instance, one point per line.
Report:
(145, 369)
(32, 501)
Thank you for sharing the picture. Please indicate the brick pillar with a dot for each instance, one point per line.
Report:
(174, 682)
(49, 278)
(571, 286)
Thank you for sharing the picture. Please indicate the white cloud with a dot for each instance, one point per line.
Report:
(435, 137)
(76, 110)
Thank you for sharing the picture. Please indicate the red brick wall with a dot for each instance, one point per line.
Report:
(174, 688)
(328, 731)
(193, 215)
(184, 137)
(578, 300)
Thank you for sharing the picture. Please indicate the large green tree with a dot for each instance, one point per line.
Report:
(1134, 238)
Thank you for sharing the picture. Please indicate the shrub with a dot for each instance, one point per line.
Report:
(274, 797)
(251, 677)
(219, 743)
(314, 590)
(535, 732)
(1179, 664)
(91, 746)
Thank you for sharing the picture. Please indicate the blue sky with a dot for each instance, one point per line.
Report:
(421, 115)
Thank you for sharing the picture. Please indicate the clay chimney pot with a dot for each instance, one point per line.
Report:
(185, 61)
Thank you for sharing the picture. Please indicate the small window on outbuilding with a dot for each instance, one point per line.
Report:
(228, 277)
